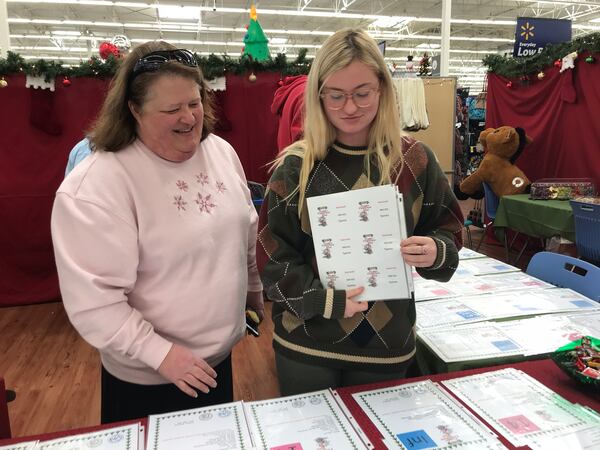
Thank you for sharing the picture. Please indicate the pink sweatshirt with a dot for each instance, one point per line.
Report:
(152, 252)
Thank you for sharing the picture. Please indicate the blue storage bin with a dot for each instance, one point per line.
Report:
(586, 212)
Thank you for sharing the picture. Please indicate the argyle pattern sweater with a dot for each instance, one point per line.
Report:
(309, 319)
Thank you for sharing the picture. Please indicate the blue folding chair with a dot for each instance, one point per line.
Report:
(566, 271)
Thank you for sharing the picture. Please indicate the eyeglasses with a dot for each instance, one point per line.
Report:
(362, 98)
(152, 61)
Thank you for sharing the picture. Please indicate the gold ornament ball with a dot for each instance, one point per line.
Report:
(252, 78)
(3, 83)
(541, 75)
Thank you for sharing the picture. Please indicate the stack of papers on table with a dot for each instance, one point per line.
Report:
(475, 285)
(521, 409)
(482, 266)
(486, 340)
(357, 237)
(545, 334)
(472, 342)
(479, 308)
(422, 415)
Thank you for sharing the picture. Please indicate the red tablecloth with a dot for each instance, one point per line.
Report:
(544, 371)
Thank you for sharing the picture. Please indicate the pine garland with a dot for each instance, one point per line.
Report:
(510, 67)
(212, 66)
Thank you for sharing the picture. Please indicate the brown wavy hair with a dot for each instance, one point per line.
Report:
(115, 127)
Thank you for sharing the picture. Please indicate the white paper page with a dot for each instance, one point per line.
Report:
(420, 415)
(118, 438)
(307, 421)
(447, 312)
(589, 322)
(586, 439)
(357, 238)
(467, 253)
(543, 334)
(217, 427)
(483, 266)
(21, 446)
(517, 406)
(479, 308)
(470, 342)
(431, 289)
(504, 282)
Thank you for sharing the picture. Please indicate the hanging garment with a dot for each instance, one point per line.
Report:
(410, 99)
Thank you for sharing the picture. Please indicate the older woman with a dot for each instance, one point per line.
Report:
(154, 236)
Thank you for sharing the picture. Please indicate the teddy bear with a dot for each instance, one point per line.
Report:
(502, 148)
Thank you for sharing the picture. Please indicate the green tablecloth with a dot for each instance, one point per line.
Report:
(537, 218)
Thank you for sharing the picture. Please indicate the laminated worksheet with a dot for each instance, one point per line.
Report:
(357, 237)
(212, 428)
(519, 407)
(421, 415)
(467, 253)
(118, 438)
(543, 334)
(583, 439)
(482, 266)
(430, 289)
(306, 421)
(470, 342)
(479, 308)
(487, 284)
(588, 321)
(20, 446)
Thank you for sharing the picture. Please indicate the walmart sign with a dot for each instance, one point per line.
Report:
(533, 34)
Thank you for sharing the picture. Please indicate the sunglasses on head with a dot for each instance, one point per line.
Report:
(152, 61)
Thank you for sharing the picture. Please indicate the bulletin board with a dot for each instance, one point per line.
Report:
(440, 98)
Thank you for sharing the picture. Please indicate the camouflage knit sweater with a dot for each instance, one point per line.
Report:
(309, 319)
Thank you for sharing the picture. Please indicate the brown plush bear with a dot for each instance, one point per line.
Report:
(502, 147)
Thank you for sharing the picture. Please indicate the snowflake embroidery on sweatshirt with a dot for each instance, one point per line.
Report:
(221, 187)
(202, 178)
(179, 202)
(205, 204)
(182, 185)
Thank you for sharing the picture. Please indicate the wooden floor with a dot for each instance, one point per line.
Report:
(56, 374)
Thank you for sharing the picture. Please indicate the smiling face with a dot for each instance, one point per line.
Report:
(170, 121)
(351, 122)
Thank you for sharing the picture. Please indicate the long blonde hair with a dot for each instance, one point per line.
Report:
(385, 136)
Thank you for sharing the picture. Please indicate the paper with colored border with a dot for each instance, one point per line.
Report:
(421, 415)
(309, 421)
(211, 428)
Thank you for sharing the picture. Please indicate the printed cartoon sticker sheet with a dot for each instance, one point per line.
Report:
(357, 237)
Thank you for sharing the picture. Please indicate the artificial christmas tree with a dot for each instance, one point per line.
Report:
(255, 40)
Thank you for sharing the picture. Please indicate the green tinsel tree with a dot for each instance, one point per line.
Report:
(255, 40)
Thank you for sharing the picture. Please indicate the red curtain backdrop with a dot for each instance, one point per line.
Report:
(38, 128)
(561, 113)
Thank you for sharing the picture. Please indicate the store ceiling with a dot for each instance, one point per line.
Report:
(71, 30)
